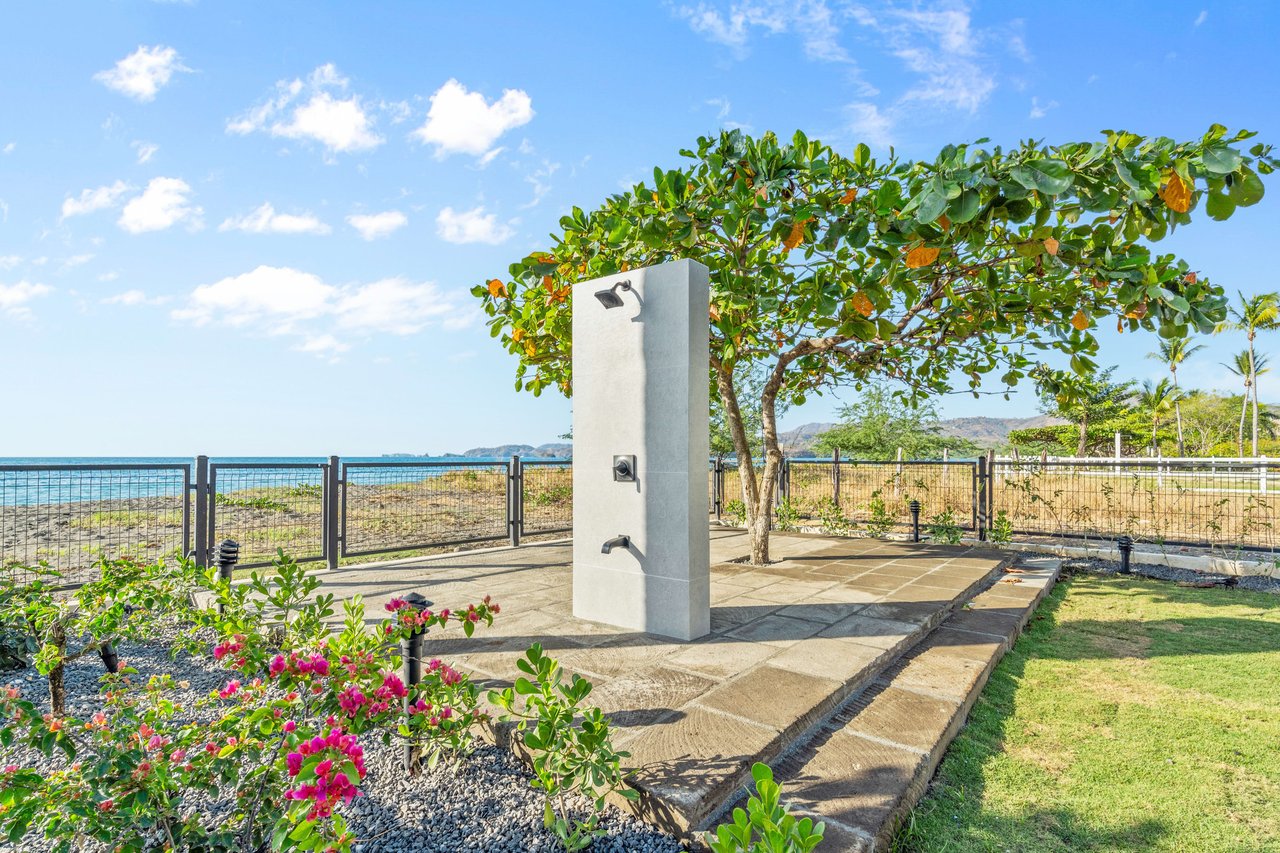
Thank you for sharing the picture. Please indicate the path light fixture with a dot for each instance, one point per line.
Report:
(1125, 546)
(228, 556)
(609, 297)
(915, 520)
(411, 658)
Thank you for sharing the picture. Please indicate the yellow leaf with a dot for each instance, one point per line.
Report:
(1176, 194)
(497, 288)
(921, 256)
(1120, 325)
(1051, 245)
(517, 335)
(1139, 311)
(1080, 320)
(849, 196)
(548, 283)
(796, 237)
(862, 304)
(529, 349)
(715, 312)
(943, 222)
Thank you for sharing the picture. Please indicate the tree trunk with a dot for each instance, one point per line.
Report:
(1244, 411)
(57, 683)
(1253, 379)
(757, 492)
(1177, 410)
(1084, 436)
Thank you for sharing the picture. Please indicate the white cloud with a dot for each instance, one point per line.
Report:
(76, 261)
(265, 220)
(145, 150)
(163, 204)
(372, 226)
(940, 45)
(285, 301)
(134, 297)
(14, 298)
(870, 125)
(811, 20)
(9, 148)
(109, 276)
(94, 199)
(141, 74)
(1202, 17)
(471, 226)
(540, 180)
(461, 122)
(1039, 110)
(317, 109)
(8, 262)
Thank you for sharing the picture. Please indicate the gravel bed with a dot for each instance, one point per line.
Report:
(1256, 583)
(480, 802)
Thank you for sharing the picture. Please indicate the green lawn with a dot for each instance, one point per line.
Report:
(1132, 715)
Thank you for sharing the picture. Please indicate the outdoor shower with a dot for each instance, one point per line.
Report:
(609, 297)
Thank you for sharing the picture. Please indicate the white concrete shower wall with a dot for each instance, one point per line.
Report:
(640, 386)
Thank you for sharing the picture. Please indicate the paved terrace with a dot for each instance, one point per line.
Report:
(790, 642)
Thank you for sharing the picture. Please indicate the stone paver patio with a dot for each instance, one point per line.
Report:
(789, 644)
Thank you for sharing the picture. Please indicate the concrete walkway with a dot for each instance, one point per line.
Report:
(790, 644)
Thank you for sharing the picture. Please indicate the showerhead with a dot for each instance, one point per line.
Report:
(609, 298)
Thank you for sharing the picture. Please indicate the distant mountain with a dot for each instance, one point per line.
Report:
(528, 451)
(983, 431)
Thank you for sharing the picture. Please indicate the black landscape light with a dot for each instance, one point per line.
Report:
(915, 520)
(228, 556)
(1125, 546)
(609, 297)
(411, 658)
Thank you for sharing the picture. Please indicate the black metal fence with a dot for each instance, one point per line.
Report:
(1232, 505)
(73, 515)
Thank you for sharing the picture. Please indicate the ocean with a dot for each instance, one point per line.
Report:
(56, 481)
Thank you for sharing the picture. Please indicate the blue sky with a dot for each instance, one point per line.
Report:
(249, 228)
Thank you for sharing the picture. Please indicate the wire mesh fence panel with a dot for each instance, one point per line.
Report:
(1230, 504)
(878, 495)
(72, 516)
(547, 501)
(403, 506)
(810, 485)
(266, 507)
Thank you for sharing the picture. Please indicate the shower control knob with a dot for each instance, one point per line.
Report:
(624, 469)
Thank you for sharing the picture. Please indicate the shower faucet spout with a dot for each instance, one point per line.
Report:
(616, 542)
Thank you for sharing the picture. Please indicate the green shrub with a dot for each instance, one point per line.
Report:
(881, 521)
(734, 512)
(943, 528)
(571, 746)
(765, 826)
(786, 515)
(1001, 532)
(832, 518)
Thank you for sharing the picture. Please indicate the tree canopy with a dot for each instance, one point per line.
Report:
(828, 269)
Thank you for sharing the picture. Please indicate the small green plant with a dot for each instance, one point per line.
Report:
(765, 826)
(307, 490)
(734, 512)
(832, 518)
(786, 515)
(881, 521)
(552, 495)
(262, 502)
(1001, 532)
(568, 757)
(943, 528)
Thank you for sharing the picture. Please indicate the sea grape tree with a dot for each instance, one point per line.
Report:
(829, 269)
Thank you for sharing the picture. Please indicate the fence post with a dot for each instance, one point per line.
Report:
(991, 487)
(200, 553)
(515, 499)
(717, 487)
(332, 513)
(1262, 476)
(835, 476)
(980, 498)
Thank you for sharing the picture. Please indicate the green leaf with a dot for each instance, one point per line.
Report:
(1047, 176)
(964, 207)
(1220, 206)
(1221, 159)
(1247, 189)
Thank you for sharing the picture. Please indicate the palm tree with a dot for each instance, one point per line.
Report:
(1158, 399)
(1254, 314)
(1173, 352)
(1247, 367)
